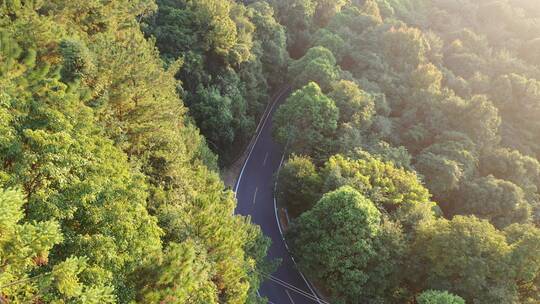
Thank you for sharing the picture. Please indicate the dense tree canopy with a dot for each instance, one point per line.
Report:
(27, 273)
(318, 65)
(435, 101)
(344, 243)
(452, 249)
(438, 297)
(117, 182)
(299, 184)
(411, 135)
(233, 56)
(307, 121)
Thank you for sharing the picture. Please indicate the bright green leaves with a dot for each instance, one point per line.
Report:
(475, 252)
(355, 105)
(181, 274)
(66, 276)
(344, 243)
(24, 252)
(306, 122)
(214, 15)
(93, 133)
(19, 7)
(438, 297)
(382, 182)
(394, 190)
(24, 247)
(71, 174)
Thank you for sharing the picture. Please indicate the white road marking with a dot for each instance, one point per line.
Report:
(255, 195)
(283, 237)
(289, 295)
(265, 158)
(263, 123)
(261, 126)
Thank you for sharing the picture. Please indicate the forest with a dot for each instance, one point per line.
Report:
(412, 140)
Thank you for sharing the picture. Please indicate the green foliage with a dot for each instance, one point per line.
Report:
(72, 174)
(299, 184)
(272, 37)
(78, 62)
(318, 65)
(214, 116)
(381, 182)
(518, 98)
(355, 105)
(447, 163)
(525, 240)
(442, 175)
(179, 275)
(404, 47)
(344, 243)
(499, 201)
(306, 122)
(204, 25)
(298, 18)
(328, 40)
(97, 139)
(326, 9)
(449, 249)
(438, 297)
(445, 91)
(228, 52)
(23, 248)
(24, 253)
(120, 200)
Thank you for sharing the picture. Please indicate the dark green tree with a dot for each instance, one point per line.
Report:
(317, 65)
(344, 243)
(499, 201)
(306, 123)
(273, 40)
(299, 184)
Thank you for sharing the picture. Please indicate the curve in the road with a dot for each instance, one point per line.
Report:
(255, 194)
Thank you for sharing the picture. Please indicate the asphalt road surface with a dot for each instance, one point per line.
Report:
(255, 194)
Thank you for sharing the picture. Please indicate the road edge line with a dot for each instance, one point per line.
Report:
(263, 120)
(258, 134)
(315, 294)
(265, 117)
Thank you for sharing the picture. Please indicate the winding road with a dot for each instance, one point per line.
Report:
(255, 194)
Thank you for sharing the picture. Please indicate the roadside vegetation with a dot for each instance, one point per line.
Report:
(412, 137)
(412, 133)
